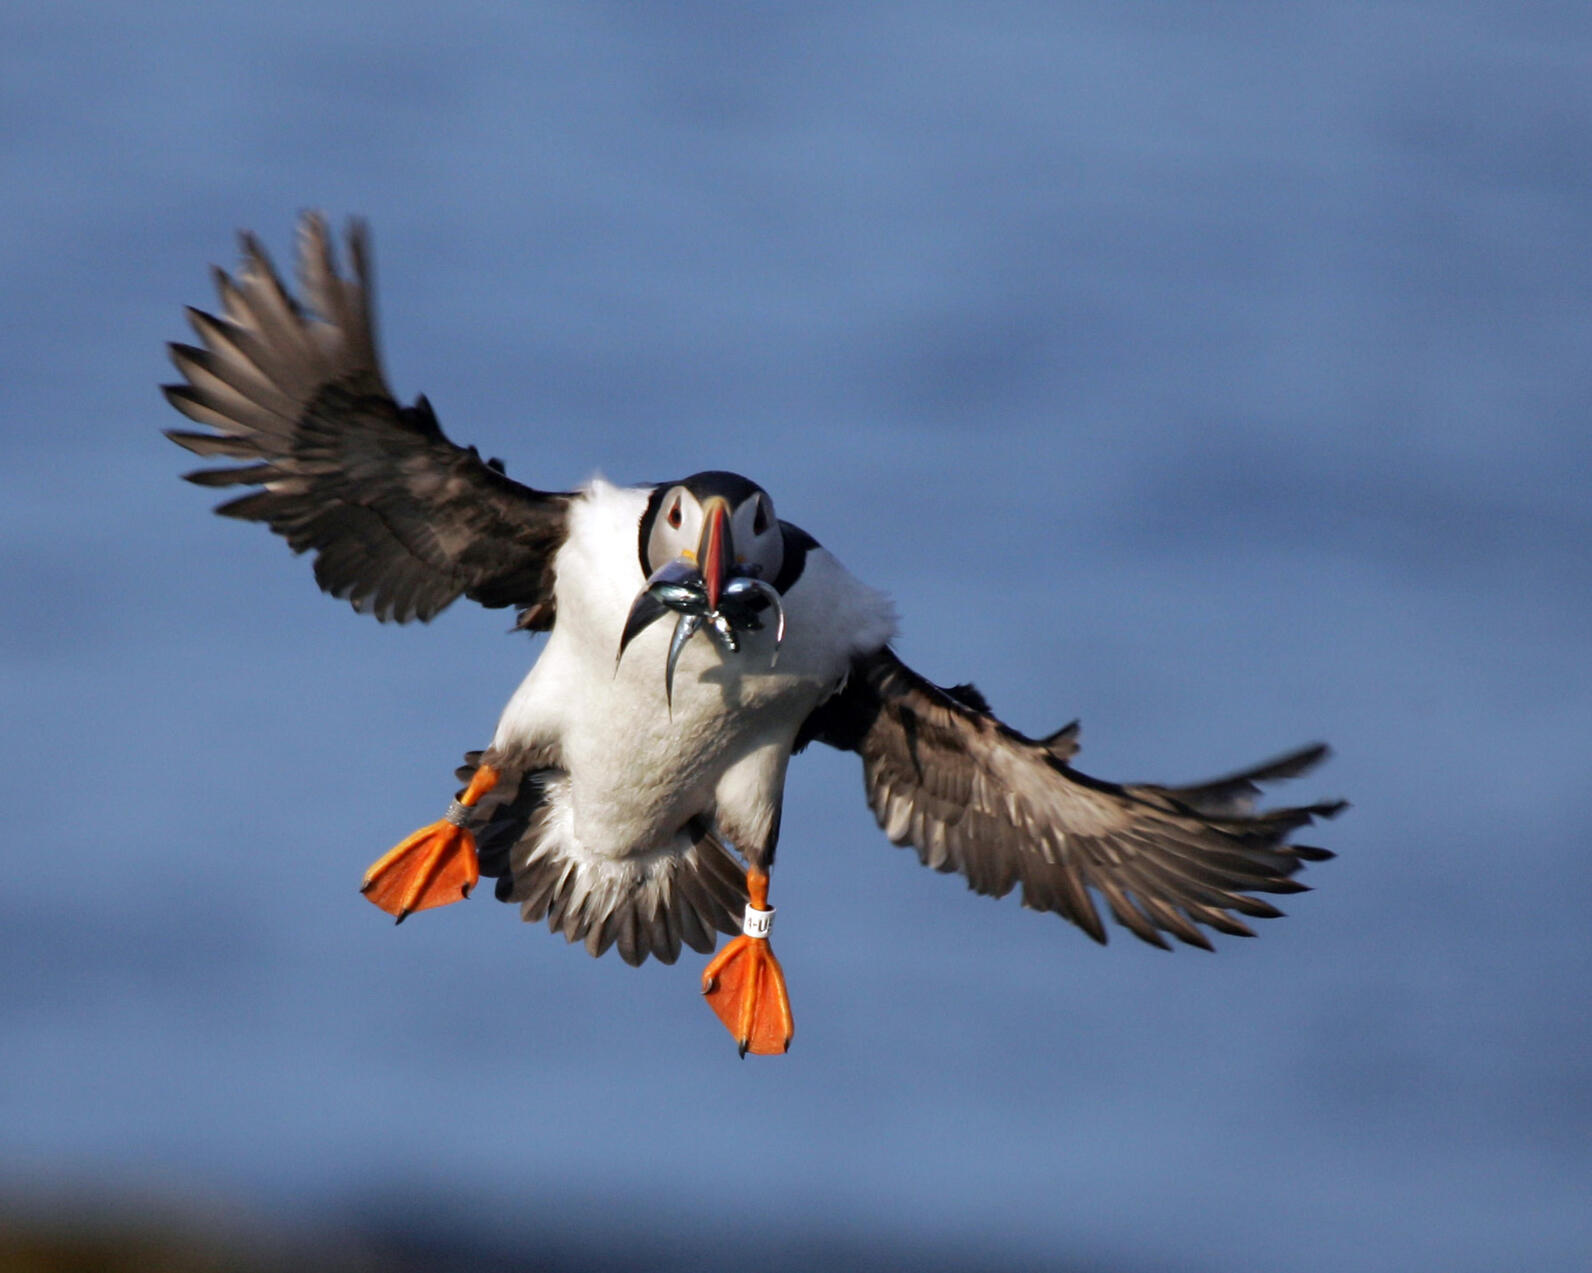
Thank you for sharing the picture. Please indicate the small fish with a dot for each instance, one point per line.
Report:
(723, 632)
(683, 597)
(676, 586)
(679, 587)
(744, 597)
(684, 630)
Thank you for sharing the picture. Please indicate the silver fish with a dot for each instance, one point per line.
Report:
(686, 598)
(747, 587)
(684, 630)
(675, 586)
(678, 586)
(723, 632)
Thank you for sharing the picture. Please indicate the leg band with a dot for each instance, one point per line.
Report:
(757, 922)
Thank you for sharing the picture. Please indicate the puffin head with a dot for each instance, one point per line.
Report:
(710, 546)
(721, 523)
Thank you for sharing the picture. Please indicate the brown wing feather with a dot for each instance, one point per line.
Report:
(402, 522)
(973, 795)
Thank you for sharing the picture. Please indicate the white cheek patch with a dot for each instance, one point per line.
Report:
(666, 542)
(762, 551)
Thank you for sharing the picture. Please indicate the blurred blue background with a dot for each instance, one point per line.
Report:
(1216, 373)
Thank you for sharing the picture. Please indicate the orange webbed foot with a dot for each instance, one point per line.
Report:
(744, 985)
(434, 866)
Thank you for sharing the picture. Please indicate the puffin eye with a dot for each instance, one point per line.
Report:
(760, 522)
(674, 513)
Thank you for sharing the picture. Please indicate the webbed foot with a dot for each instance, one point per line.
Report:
(744, 984)
(746, 988)
(434, 866)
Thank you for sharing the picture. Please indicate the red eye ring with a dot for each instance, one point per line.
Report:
(674, 514)
(760, 522)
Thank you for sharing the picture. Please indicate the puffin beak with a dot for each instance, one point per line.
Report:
(715, 550)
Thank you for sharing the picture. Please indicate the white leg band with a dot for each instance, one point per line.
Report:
(457, 813)
(756, 923)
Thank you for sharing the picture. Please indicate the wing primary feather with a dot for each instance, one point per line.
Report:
(402, 522)
(971, 794)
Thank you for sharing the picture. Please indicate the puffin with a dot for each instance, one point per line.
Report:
(631, 795)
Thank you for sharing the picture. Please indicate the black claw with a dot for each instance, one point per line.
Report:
(742, 1046)
(402, 915)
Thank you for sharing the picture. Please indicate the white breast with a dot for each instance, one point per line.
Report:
(637, 771)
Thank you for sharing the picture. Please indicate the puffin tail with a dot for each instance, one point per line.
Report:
(684, 892)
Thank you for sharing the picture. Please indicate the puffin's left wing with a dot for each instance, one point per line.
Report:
(975, 796)
(402, 521)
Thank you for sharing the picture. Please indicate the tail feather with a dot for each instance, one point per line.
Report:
(683, 893)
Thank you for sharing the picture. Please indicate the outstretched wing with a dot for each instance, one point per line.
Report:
(402, 521)
(975, 796)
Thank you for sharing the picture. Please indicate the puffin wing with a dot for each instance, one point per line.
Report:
(975, 796)
(402, 522)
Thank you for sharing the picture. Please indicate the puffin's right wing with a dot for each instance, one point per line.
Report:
(402, 521)
(975, 796)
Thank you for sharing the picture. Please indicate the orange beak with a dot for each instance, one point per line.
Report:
(715, 552)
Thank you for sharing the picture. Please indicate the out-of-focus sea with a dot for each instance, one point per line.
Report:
(1217, 374)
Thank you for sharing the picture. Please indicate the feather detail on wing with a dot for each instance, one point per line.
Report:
(402, 521)
(975, 796)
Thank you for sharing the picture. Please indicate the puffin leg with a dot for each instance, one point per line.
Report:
(434, 866)
(744, 985)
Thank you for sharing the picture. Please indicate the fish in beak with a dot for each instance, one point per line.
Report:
(706, 590)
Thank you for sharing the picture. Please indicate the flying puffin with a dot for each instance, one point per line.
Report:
(631, 795)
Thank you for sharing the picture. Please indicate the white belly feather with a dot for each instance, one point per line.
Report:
(637, 772)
